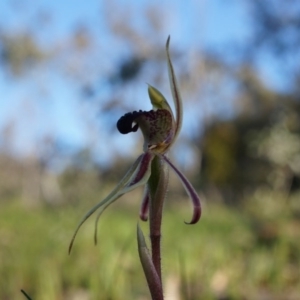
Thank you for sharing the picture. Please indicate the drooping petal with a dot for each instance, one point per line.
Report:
(141, 174)
(152, 277)
(145, 205)
(137, 175)
(175, 92)
(190, 191)
(140, 177)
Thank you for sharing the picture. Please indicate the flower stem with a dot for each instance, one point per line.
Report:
(158, 184)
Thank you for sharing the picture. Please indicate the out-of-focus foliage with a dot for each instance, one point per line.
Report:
(227, 257)
(246, 153)
(277, 26)
(279, 144)
(20, 52)
(259, 147)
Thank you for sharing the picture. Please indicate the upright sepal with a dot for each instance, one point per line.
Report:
(157, 99)
(175, 93)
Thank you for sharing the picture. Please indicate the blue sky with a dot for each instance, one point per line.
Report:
(46, 102)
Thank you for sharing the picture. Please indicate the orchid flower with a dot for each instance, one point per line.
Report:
(160, 129)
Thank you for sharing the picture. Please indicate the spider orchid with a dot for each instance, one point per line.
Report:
(160, 129)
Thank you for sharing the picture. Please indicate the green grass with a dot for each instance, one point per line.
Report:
(225, 254)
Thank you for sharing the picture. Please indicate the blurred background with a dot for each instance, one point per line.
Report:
(70, 69)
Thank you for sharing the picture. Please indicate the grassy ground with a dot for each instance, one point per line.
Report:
(231, 254)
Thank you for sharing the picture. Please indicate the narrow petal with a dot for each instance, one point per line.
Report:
(119, 190)
(190, 191)
(145, 205)
(143, 169)
(152, 277)
(140, 177)
(175, 92)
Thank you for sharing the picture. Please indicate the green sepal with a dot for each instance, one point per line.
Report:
(157, 99)
(175, 93)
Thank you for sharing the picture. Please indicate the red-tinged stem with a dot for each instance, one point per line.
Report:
(158, 184)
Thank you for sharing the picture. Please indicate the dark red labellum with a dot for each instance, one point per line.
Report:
(124, 124)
